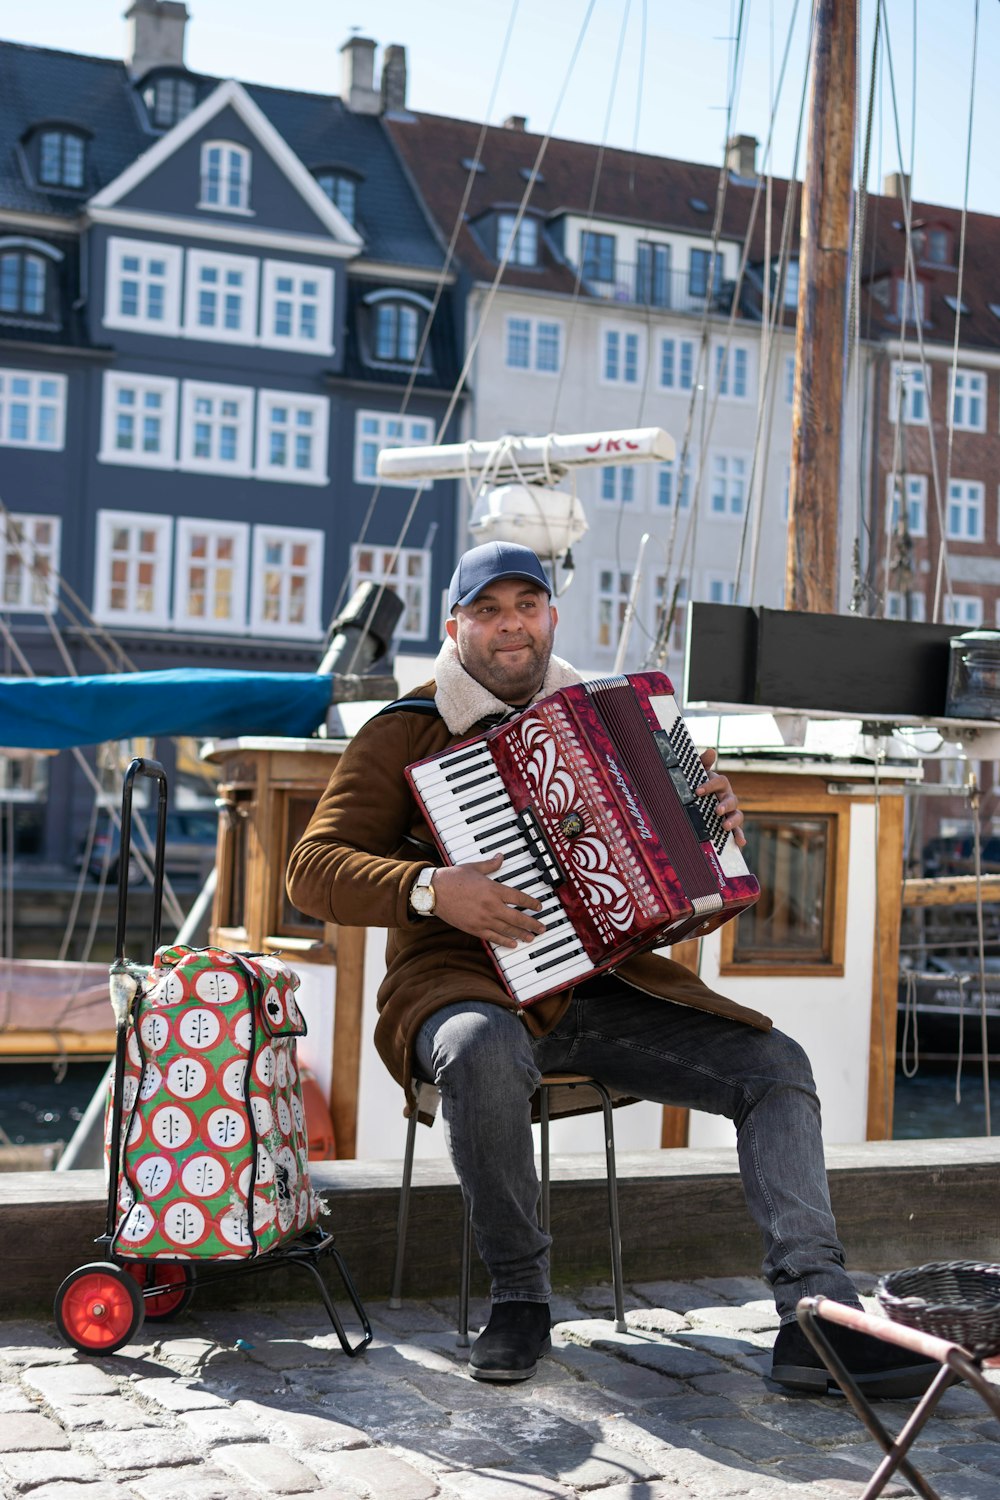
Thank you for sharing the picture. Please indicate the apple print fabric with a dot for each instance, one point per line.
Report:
(214, 1163)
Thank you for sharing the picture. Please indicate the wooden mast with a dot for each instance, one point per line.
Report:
(812, 573)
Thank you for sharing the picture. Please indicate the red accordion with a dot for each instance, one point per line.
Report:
(590, 797)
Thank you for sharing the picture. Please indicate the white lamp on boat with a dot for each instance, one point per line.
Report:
(548, 521)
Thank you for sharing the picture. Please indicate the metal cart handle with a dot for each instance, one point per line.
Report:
(155, 771)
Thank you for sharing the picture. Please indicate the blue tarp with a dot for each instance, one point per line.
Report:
(54, 713)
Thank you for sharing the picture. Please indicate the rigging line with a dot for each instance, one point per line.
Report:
(862, 533)
(961, 250)
(501, 268)
(591, 206)
(457, 227)
(910, 284)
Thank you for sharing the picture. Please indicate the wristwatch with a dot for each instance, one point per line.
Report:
(422, 897)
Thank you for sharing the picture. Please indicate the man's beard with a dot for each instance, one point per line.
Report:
(512, 684)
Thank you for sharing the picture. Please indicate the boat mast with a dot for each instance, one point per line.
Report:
(811, 569)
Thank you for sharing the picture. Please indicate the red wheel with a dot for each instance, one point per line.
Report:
(173, 1281)
(98, 1308)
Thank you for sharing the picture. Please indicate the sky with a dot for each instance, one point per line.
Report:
(654, 75)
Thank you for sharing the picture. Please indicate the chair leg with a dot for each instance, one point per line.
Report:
(613, 1220)
(462, 1341)
(404, 1210)
(543, 1120)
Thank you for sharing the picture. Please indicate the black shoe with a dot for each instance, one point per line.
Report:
(878, 1369)
(510, 1345)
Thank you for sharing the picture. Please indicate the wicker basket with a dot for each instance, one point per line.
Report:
(958, 1300)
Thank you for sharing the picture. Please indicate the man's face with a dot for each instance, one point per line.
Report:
(504, 638)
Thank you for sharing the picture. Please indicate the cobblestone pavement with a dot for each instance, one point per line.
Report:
(243, 1403)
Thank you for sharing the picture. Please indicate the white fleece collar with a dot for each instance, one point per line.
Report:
(462, 701)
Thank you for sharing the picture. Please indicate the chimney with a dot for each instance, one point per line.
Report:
(357, 87)
(896, 185)
(516, 122)
(741, 156)
(155, 35)
(394, 81)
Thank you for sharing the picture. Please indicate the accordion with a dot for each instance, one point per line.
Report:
(589, 795)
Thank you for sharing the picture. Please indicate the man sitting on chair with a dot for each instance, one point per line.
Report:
(652, 1029)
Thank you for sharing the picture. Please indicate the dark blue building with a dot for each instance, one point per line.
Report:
(215, 308)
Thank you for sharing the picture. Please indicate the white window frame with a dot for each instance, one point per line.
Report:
(963, 609)
(721, 584)
(623, 332)
(145, 251)
(730, 366)
(624, 482)
(615, 597)
(38, 403)
(274, 270)
(19, 540)
(317, 408)
(683, 352)
(310, 627)
(232, 150)
(672, 467)
(909, 382)
(969, 388)
(914, 488)
(721, 463)
(533, 326)
(412, 588)
(524, 251)
(162, 527)
(394, 431)
(895, 605)
(969, 496)
(659, 605)
(193, 391)
(237, 532)
(216, 332)
(116, 381)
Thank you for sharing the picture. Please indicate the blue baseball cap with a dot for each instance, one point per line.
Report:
(488, 564)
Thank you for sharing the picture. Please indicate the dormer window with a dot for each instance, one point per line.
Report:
(225, 177)
(933, 244)
(61, 158)
(26, 290)
(395, 325)
(169, 98)
(522, 244)
(342, 190)
(597, 256)
(909, 303)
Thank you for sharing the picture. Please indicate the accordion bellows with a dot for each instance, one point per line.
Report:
(214, 1162)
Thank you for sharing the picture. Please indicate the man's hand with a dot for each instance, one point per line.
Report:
(729, 808)
(466, 898)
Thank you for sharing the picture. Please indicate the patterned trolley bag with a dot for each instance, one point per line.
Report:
(214, 1162)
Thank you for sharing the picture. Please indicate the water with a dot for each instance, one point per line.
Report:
(926, 1107)
(36, 1109)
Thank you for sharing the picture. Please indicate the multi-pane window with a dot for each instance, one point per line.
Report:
(621, 357)
(597, 256)
(139, 420)
(210, 577)
(533, 344)
(666, 484)
(911, 488)
(728, 492)
(29, 555)
(32, 409)
(225, 176)
(375, 430)
(700, 269)
(719, 589)
(342, 191)
(297, 307)
(407, 571)
(732, 371)
(908, 393)
(795, 858)
(613, 589)
(522, 245)
(963, 609)
(395, 332)
(618, 484)
(143, 286)
(169, 99)
(672, 601)
(652, 274)
(133, 568)
(791, 282)
(965, 510)
(968, 400)
(789, 379)
(909, 606)
(61, 159)
(22, 283)
(292, 437)
(910, 301)
(676, 364)
(287, 572)
(216, 425)
(221, 299)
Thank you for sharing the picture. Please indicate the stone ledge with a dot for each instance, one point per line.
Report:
(898, 1203)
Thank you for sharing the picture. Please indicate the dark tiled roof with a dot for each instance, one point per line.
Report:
(442, 344)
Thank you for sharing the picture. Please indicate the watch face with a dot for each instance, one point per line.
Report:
(422, 900)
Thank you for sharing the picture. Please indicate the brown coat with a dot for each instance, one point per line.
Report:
(355, 864)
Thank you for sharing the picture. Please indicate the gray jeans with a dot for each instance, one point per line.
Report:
(487, 1067)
